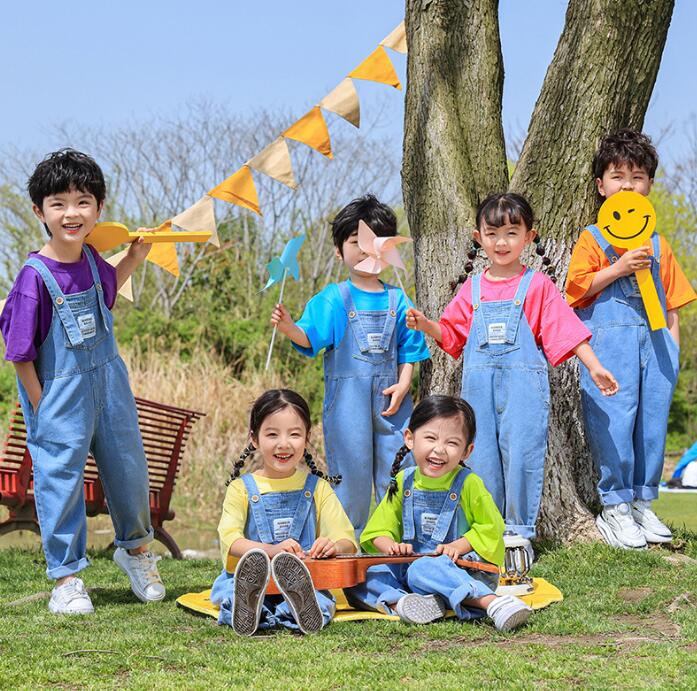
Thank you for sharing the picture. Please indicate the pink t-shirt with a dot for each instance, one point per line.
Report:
(555, 326)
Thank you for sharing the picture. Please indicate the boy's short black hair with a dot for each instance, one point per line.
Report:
(625, 147)
(378, 216)
(64, 170)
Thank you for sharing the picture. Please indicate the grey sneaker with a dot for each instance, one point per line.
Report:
(420, 609)
(508, 613)
(618, 528)
(141, 570)
(70, 598)
(251, 579)
(649, 523)
(295, 583)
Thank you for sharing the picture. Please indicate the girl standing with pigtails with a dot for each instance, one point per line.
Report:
(511, 321)
(274, 517)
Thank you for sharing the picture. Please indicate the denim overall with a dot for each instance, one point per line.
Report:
(626, 433)
(86, 406)
(272, 518)
(360, 443)
(429, 518)
(504, 379)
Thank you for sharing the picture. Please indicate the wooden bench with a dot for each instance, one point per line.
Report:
(165, 430)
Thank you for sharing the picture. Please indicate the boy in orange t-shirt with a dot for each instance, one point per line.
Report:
(626, 433)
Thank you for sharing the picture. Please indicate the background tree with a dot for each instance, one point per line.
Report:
(600, 79)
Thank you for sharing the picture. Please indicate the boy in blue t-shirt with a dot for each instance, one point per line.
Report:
(369, 357)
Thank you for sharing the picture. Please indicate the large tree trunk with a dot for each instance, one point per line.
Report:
(600, 79)
(454, 151)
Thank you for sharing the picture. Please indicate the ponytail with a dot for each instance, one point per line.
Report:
(396, 464)
(310, 463)
(239, 463)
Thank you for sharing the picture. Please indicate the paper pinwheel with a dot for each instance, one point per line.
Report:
(381, 251)
(279, 268)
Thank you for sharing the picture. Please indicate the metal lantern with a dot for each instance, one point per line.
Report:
(514, 579)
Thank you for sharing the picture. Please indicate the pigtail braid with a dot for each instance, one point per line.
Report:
(239, 463)
(546, 261)
(469, 266)
(396, 464)
(310, 463)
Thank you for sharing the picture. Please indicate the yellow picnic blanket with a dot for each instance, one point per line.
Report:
(544, 594)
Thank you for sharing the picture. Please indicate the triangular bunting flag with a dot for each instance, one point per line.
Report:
(274, 161)
(200, 216)
(126, 289)
(164, 254)
(239, 189)
(397, 39)
(312, 130)
(343, 101)
(377, 67)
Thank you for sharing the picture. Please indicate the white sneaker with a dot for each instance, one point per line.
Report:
(141, 569)
(618, 528)
(70, 598)
(649, 523)
(420, 609)
(508, 613)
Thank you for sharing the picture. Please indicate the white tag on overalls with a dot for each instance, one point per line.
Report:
(428, 523)
(281, 529)
(497, 332)
(87, 325)
(375, 342)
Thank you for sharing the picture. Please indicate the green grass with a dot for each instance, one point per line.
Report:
(678, 509)
(615, 629)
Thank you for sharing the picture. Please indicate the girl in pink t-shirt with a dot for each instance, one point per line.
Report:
(510, 321)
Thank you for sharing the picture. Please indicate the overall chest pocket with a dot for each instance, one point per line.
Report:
(90, 327)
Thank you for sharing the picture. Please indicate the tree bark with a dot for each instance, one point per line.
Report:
(454, 152)
(600, 79)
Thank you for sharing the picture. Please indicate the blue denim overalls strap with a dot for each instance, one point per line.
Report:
(504, 378)
(432, 517)
(361, 443)
(86, 406)
(277, 516)
(626, 432)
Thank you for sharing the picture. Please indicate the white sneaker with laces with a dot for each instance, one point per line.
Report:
(508, 612)
(649, 523)
(70, 598)
(142, 571)
(618, 528)
(413, 608)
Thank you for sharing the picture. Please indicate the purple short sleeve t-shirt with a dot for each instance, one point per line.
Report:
(26, 318)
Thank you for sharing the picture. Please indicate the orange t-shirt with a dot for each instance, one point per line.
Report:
(588, 258)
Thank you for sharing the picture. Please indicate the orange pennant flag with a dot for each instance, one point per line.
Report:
(239, 189)
(312, 130)
(396, 39)
(164, 254)
(343, 100)
(377, 67)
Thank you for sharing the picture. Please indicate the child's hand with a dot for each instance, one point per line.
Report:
(604, 380)
(323, 548)
(139, 249)
(397, 393)
(291, 546)
(633, 260)
(416, 320)
(280, 317)
(400, 549)
(449, 550)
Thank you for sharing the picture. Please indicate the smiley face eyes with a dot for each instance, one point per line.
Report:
(617, 216)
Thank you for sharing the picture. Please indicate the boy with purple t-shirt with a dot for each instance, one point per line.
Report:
(73, 386)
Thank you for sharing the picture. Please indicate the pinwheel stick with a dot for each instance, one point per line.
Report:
(399, 280)
(275, 328)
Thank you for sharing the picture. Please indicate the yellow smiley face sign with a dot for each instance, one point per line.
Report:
(627, 220)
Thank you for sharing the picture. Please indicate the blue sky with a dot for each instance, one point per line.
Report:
(106, 64)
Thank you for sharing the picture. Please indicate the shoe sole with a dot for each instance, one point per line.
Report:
(608, 534)
(516, 619)
(655, 538)
(421, 609)
(251, 579)
(134, 587)
(295, 583)
(80, 613)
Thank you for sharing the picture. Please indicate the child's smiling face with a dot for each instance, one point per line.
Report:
(439, 445)
(70, 216)
(281, 441)
(503, 245)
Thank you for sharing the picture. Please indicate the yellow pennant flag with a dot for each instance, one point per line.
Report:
(343, 100)
(312, 130)
(126, 289)
(377, 67)
(397, 39)
(164, 254)
(200, 216)
(239, 189)
(275, 162)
